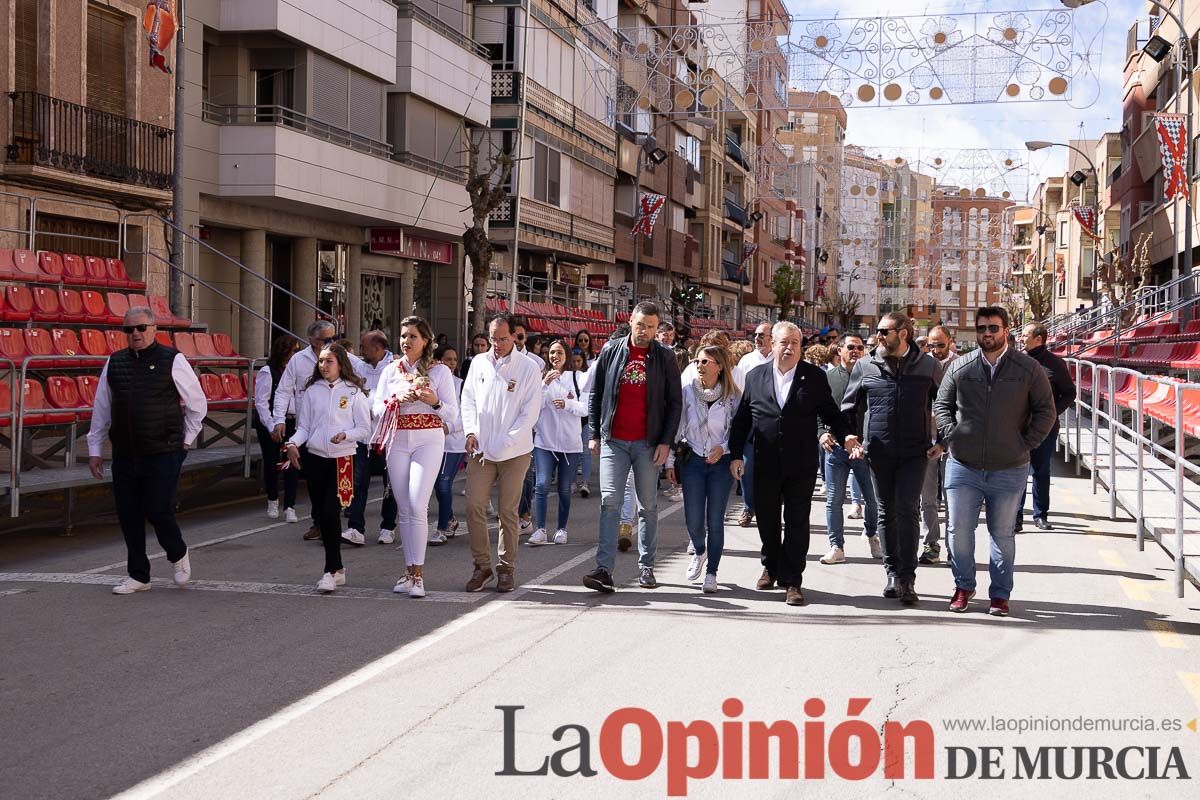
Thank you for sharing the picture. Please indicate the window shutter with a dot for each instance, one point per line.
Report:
(366, 106)
(106, 79)
(26, 44)
(331, 82)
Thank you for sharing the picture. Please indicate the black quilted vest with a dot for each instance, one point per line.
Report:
(146, 417)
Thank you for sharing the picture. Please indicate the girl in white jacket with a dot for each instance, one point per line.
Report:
(415, 403)
(556, 443)
(452, 460)
(333, 417)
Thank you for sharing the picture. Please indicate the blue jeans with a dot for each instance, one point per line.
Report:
(705, 496)
(546, 463)
(1039, 463)
(526, 504)
(616, 459)
(838, 466)
(364, 465)
(443, 487)
(966, 491)
(856, 495)
(585, 458)
(627, 505)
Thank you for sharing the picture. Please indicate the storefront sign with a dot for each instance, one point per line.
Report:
(397, 242)
(597, 281)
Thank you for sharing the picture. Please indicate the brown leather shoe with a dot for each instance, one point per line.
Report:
(504, 582)
(765, 581)
(312, 533)
(795, 597)
(479, 579)
(747, 519)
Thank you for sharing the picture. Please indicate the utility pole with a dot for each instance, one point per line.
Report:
(179, 305)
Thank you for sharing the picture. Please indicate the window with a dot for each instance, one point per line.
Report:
(1063, 232)
(26, 46)
(106, 77)
(546, 165)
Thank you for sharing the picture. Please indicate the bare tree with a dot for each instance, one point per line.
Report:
(1037, 294)
(487, 187)
(843, 307)
(1120, 278)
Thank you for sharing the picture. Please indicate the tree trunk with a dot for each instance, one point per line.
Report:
(479, 251)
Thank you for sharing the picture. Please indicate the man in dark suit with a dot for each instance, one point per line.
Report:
(780, 405)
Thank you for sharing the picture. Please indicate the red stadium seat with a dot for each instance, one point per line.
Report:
(18, 304)
(233, 386)
(163, 338)
(6, 415)
(25, 266)
(12, 345)
(39, 343)
(50, 266)
(117, 276)
(162, 310)
(94, 342)
(8, 272)
(45, 304)
(224, 345)
(70, 305)
(63, 392)
(75, 270)
(35, 405)
(87, 388)
(118, 304)
(1186, 356)
(95, 312)
(185, 344)
(205, 346)
(97, 271)
(214, 392)
(116, 340)
(136, 300)
(65, 343)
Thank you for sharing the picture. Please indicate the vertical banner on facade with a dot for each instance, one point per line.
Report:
(1088, 217)
(1173, 143)
(648, 211)
(159, 24)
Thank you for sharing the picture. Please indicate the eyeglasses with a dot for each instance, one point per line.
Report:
(885, 331)
(139, 328)
(856, 347)
(987, 328)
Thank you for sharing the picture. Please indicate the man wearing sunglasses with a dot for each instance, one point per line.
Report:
(941, 347)
(137, 405)
(994, 407)
(761, 354)
(891, 395)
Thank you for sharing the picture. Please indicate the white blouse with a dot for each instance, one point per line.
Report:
(558, 429)
(702, 436)
(396, 380)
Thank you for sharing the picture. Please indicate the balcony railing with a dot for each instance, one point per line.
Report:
(48, 132)
(733, 149)
(290, 118)
(406, 10)
(431, 167)
(729, 271)
(506, 87)
(736, 212)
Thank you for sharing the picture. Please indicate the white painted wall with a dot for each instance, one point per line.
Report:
(438, 70)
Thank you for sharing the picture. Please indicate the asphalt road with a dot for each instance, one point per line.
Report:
(250, 685)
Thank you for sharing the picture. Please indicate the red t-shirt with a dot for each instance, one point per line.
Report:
(629, 420)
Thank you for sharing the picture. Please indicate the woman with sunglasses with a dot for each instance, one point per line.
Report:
(416, 403)
(583, 343)
(557, 445)
(701, 459)
(265, 385)
(334, 417)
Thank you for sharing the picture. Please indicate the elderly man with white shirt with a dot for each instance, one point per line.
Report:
(138, 405)
(501, 401)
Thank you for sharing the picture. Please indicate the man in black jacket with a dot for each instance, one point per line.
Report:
(892, 392)
(780, 405)
(636, 401)
(1063, 388)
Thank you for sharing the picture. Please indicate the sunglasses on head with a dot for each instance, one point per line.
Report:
(987, 328)
(139, 328)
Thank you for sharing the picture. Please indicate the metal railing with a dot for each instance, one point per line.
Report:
(506, 86)
(543, 290)
(431, 167)
(47, 132)
(1148, 300)
(736, 212)
(290, 118)
(406, 10)
(1104, 383)
(733, 149)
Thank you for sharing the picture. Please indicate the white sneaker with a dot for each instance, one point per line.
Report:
(339, 577)
(710, 583)
(526, 524)
(404, 585)
(386, 536)
(417, 588)
(183, 570)
(691, 548)
(857, 513)
(835, 556)
(289, 515)
(272, 509)
(584, 490)
(538, 537)
(695, 567)
(437, 537)
(560, 536)
(129, 586)
(875, 545)
(327, 583)
(354, 537)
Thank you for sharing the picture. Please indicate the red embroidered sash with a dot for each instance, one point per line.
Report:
(345, 480)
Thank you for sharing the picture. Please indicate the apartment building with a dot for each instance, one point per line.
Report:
(325, 157)
(1131, 185)
(973, 237)
(1025, 256)
(88, 157)
(553, 85)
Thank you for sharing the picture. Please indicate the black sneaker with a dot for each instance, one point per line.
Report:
(929, 555)
(646, 578)
(908, 594)
(599, 580)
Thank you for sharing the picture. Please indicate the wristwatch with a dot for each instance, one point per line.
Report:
(437, 406)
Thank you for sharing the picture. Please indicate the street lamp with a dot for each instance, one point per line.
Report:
(649, 149)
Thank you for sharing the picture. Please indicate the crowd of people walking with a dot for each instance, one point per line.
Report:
(903, 422)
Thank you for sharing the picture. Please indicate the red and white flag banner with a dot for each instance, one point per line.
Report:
(1172, 141)
(1087, 216)
(648, 211)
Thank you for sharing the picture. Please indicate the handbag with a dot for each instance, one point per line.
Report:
(683, 452)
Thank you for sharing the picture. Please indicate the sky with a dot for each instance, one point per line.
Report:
(1096, 104)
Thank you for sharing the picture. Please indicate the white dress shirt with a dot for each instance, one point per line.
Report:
(993, 366)
(327, 410)
(501, 402)
(783, 384)
(291, 384)
(748, 362)
(370, 374)
(456, 440)
(195, 405)
(262, 396)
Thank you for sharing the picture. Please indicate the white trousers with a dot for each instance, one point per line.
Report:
(413, 464)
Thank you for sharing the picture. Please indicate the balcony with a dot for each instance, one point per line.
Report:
(441, 64)
(506, 87)
(733, 149)
(736, 212)
(730, 271)
(48, 132)
(290, 118)
(552, 228)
